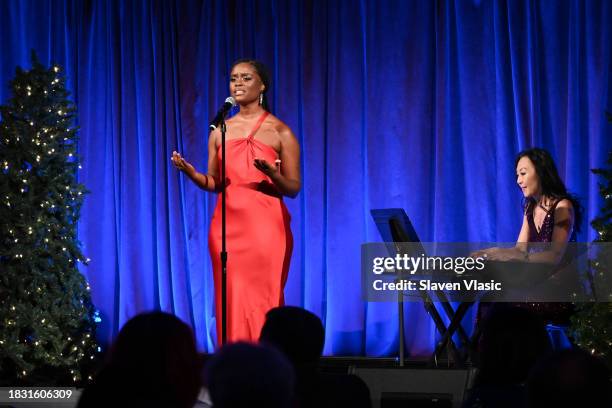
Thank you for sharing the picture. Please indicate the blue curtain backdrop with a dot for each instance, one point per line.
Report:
(414, 104)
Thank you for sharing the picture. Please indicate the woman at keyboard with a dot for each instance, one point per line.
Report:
(551, 215)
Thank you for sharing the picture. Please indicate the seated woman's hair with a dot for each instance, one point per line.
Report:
(552, 185)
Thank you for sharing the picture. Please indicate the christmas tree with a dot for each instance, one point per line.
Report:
(47, 318)
(592, 323)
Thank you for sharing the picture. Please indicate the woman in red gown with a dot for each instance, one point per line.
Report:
(263, 165)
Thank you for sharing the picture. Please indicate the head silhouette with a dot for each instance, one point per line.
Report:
(513, 339)
(570, 378)
(242, 375)
(153, 360)
(296, 332)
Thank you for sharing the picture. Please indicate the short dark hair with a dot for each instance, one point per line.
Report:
(244, 374)
(296, 332)
(154, 359)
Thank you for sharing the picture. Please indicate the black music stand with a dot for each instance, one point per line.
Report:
(395, 226)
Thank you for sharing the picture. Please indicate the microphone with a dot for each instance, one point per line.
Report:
(225, 108)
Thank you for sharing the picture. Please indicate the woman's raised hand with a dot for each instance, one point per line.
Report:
(183, 165)
(265, 167)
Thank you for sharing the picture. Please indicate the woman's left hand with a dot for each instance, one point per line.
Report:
(503, 254)
(265, 167)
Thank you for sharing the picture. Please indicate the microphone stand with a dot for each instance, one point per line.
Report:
(223, 253)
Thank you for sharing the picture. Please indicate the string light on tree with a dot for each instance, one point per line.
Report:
(39, 158)
(592, 322)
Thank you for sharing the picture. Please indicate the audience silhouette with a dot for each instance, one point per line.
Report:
(300, 335)
(570, 378)
(242, 375)
(152, 363)
(512, 341)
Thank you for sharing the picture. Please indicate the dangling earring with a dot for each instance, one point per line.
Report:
(261, 98)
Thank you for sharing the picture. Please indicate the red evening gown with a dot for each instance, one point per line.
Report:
(259, 241)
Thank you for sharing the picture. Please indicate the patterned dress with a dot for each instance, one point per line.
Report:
(550, 312)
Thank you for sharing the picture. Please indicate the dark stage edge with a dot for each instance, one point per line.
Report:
(415, 384)
(348, 363)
